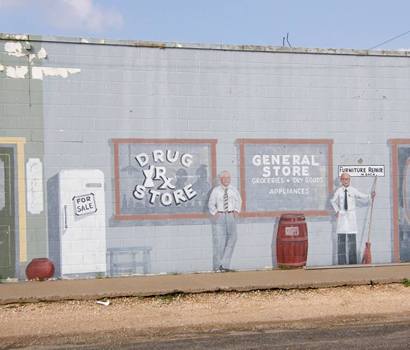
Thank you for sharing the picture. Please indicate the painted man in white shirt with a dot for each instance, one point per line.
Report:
(224, 205)
(344, 204)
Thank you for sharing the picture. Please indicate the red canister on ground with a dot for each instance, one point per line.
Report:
(40, 269)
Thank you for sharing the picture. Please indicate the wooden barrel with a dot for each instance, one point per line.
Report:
(292, 241)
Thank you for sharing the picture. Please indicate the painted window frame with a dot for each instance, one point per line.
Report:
(242, 144)
(118, 216)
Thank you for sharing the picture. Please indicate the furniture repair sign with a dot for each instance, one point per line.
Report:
(362, 170)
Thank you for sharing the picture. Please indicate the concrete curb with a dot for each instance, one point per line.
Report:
(147, 286)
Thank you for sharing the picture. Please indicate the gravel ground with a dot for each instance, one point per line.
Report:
(86, 321)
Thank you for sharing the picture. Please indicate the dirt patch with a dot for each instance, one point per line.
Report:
(74, 321)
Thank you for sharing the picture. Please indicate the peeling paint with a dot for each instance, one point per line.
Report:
(42, 54)
(40, 72)
(17, 72)
(5, 36)
(19, 50)
(31, 57)
(20, 72)
(21, 37)
(14, 49)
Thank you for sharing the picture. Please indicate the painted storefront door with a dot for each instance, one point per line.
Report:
(404, 201)
(7, 214)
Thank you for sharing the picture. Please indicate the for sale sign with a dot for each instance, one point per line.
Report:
(84, 204)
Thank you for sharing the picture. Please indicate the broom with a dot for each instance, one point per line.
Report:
(367, 254)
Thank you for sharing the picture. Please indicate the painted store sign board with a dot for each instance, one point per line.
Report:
(362, 170)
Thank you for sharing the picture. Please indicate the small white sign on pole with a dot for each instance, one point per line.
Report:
(362, 170)
(34, 183)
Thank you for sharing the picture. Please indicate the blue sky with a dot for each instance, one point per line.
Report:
(359, 24)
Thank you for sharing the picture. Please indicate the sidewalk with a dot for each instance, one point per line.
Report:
(200, 282)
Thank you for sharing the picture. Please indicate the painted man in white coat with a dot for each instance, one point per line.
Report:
(344, 204)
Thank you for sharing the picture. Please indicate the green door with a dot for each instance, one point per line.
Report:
(7, 212)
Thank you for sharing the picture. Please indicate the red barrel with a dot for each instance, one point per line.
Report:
(40, 269)
(292, 241)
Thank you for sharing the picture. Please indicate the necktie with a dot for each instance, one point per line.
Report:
(226, 199)
(345, 205)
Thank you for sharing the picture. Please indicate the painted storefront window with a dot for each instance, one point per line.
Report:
(163, 179)
(280, 175)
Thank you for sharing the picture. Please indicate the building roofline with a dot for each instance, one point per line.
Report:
(196, 46)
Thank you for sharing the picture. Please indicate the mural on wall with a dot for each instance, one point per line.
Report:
(173, 178)
(280, 175)
(168, 181)
(161, 179)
